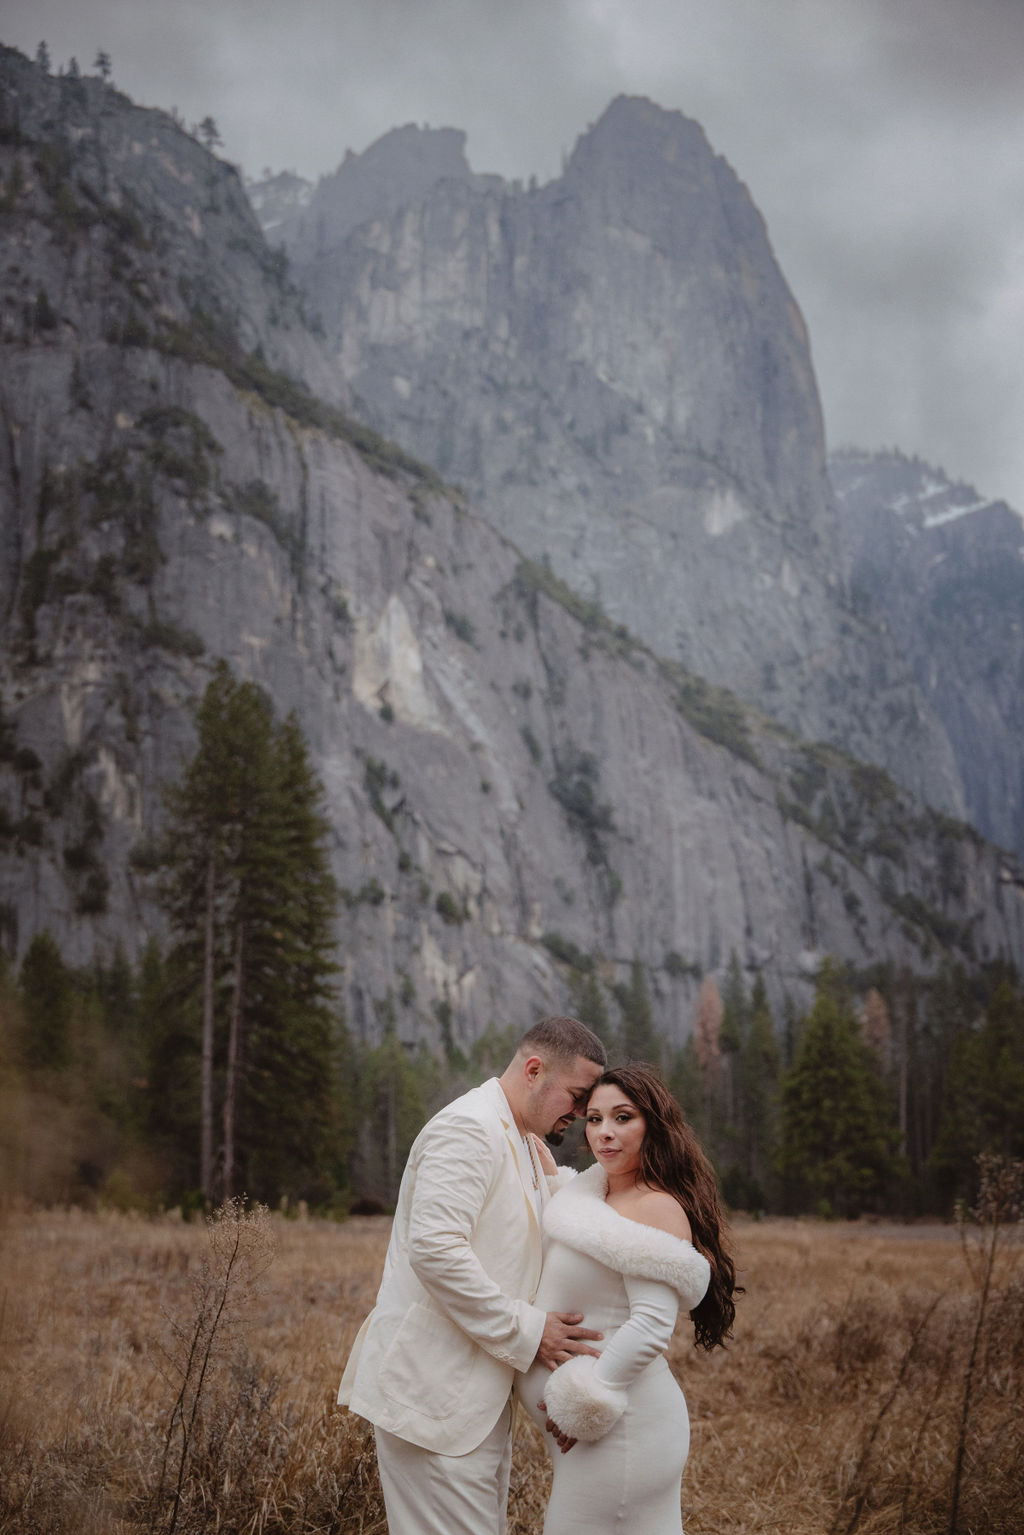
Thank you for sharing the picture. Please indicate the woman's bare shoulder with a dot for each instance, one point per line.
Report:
(653, 1207)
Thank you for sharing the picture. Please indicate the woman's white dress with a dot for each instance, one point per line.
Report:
(625, 1409)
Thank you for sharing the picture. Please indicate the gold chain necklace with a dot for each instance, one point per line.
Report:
(528, 1143)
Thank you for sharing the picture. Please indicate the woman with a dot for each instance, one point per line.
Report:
(625, 1242)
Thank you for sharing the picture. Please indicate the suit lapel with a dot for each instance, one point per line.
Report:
(514, 1141)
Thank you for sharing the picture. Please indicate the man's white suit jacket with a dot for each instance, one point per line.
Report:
(434, 1361)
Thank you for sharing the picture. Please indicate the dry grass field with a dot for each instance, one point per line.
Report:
(141, 1390)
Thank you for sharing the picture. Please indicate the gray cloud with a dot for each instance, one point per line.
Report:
(881, 141)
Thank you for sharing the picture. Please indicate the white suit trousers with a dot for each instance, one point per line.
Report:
(430, 1494)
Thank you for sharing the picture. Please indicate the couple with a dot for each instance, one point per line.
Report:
(463, 1304)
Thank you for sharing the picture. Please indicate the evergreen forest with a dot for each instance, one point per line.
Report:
(221, 1063)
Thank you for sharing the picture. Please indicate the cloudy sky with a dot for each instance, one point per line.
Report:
(883, 140)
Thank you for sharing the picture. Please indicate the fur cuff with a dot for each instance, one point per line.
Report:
(583, 1406)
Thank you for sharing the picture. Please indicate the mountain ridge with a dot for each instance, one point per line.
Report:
(943, 569)
(613, 366)
(521, 792)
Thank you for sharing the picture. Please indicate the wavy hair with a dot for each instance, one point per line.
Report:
(671, 1159)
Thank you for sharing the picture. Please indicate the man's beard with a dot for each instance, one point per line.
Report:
(555, 1137)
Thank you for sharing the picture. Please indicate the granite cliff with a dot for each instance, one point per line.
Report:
(614, 368)
(522, 792)
(942, 569)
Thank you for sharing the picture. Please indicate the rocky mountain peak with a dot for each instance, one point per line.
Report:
(143, 181)
(279, 197)
(615, 369)
(635, 141)
(396, 171)
(410, 158)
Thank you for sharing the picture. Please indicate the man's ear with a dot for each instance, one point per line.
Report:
(533, 1069)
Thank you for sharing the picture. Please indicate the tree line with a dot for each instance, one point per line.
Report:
(222, 1063)
(880, 1099)
(205, 131)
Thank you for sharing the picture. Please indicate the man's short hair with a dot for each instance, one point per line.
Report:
(563, 1039)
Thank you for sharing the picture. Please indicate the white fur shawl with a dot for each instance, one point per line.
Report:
(578, 1216)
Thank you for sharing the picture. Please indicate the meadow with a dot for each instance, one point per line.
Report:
(164, 1375)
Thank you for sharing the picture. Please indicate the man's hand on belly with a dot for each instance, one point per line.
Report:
(563, 1337)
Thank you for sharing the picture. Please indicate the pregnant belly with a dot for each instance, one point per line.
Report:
(530, 1390)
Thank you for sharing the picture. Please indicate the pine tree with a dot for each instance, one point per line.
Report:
(251, 900)
(983, 1109)
(588, 1003)
(209, 133)
(1001, 1047)
(732, 1036)
(102, 64)
(48, 1000)
(949, 1006)
(735, 1008)
(708, 1052)
(758, 1069)
(686, 1081)
(199, 848)
(291, 964)
(638, 1040)
(391, 1112)
(251, 867)
(171, 1006)
(43, 57)
(835, 1141)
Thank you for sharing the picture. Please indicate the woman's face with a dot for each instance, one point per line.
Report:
(615, 1129)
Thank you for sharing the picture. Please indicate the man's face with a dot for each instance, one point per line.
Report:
(559, 1093)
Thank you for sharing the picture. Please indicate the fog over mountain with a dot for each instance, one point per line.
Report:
(879, 140)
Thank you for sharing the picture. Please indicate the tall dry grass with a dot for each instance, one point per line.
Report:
(837, 1409)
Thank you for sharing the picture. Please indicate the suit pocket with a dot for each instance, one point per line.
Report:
(428, 1363)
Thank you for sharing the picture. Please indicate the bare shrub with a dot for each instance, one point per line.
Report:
(944, 1446)
(214, 1427)
(997, 1221)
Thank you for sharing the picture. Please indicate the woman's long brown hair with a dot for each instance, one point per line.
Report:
(671, 1159)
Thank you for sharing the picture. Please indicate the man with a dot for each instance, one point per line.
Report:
(433, 1364)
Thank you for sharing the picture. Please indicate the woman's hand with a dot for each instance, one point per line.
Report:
(548, 1165)
(563, 1441)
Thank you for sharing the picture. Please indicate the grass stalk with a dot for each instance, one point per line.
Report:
(238, 1253)
(887, 1403)
(1001, 1189)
